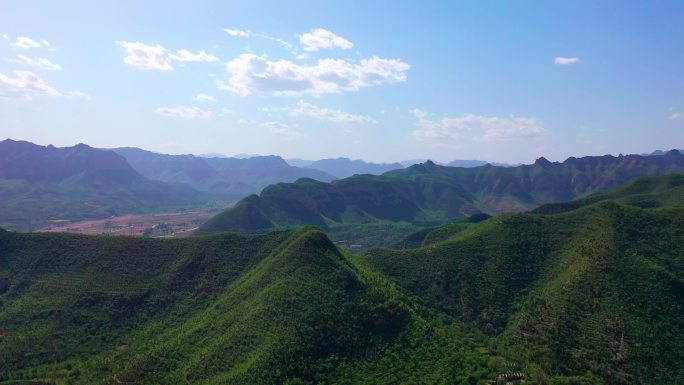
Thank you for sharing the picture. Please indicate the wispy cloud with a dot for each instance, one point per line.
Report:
(237, 32)
(78, 94)
(158, 58)
(336, 116)
(146, 57)
(322, 38)
(477, 127)
(564, 61)
(677, 116)
(204, 98)
(247, 33)
(275, 39)
(25, 85)
(282, 129)
(27, 43)
(184, 55)
(251, 73)
(40, 63)
(184, 112)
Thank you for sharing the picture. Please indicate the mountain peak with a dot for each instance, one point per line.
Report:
(542, 161)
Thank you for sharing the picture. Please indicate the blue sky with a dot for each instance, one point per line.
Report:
(505, 81)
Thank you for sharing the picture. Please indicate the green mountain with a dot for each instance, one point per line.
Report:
(646, 192)
(227, 178)
(594, 295)
(428, 194)
(590, 296)
(40, 183)
(224, 309)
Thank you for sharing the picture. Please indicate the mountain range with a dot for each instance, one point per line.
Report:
(428, 194)
(228, 178)
(40, 183)
(345, 167)
(593, 294)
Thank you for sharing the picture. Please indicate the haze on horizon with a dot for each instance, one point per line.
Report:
(504, 81)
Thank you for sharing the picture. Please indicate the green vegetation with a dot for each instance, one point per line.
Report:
(221, 309)
(595, 295)
(646, 192)
(590, 296)
(427, 195)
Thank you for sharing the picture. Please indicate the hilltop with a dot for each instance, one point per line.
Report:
(221, 309)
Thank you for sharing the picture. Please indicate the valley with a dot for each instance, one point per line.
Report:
(173, 224)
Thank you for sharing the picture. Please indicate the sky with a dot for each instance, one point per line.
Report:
(503, 81)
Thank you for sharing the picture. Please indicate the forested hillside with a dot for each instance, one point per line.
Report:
(590, 296)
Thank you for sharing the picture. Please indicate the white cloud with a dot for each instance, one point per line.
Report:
(187, 56)
(156, 57)
(226, 110)
(40, 63)
(321, 38)
(277, 40)
(25, 85)
(78, 94)
(250, 73)
(285, 130)
(146, 57)
(564, 61)
(5, 36)
(237, 32)
(479, 127)
(336, 116)
(184, 112)
(418, 113)
(204, 98)
(677, 116)
(45, 42)
(26, 43)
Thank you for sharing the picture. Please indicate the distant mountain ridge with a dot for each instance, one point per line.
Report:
(345, 167)
(466, 163)
(38, 183)
(229, 178)
(427, 193)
